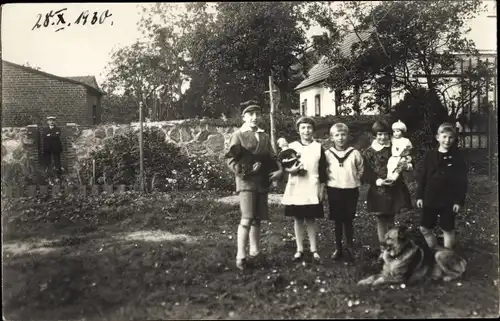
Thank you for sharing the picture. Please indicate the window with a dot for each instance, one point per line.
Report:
(317, 105)
(303, 111)
(94, 114)
(338, 99)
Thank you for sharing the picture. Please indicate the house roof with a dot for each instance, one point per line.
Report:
(322, 69)
(87, 81)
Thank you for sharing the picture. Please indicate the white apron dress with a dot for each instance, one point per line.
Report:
(303, 189)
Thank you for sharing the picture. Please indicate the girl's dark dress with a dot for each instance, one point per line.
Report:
(383, 200)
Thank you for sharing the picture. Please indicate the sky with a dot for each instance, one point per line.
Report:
(81, 50)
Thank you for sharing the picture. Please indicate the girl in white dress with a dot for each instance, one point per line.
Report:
(305, 189)
(400, 152)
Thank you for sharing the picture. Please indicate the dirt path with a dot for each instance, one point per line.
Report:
(40, 246)
(43, 246)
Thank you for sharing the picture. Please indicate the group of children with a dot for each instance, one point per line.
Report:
(337, 173)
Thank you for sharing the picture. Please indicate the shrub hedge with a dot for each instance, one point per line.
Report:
(165, 166)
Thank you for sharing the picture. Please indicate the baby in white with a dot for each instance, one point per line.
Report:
(400, 152)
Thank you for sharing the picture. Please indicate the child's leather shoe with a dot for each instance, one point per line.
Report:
(349, 255)
(241, 264)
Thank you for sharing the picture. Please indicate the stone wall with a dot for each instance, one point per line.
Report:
(14, 144)
(201, 139)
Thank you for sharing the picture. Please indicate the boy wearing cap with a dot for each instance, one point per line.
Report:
(252, 189)
(52, 146)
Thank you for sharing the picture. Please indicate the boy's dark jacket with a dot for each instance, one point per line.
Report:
(442, 182)
(261, 149)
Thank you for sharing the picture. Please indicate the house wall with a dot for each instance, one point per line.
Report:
(327, 100)
(29, 97)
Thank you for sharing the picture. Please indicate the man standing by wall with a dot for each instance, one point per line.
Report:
(52, 146)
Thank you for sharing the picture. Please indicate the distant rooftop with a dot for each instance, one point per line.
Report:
(87, 81)
(321, 70)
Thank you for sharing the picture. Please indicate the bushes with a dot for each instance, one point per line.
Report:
(20, 174)
(165, 166)
(196, 174)
(422, 112)
(118, 161)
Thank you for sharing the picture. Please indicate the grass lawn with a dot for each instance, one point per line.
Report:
(92, 274)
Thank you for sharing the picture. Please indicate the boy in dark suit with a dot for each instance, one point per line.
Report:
(52, 146)
(442, 187)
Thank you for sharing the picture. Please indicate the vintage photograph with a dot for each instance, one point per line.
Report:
(249, 160)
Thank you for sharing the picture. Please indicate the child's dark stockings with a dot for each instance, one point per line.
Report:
(343, 226)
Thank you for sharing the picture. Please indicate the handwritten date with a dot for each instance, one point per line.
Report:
(57, 19)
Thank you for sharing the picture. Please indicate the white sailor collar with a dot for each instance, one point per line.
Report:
(337, 152)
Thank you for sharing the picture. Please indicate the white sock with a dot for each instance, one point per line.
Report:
(254, 239)
(299, 234)
(311, 234)
(449, 239)
(429, 237)
(242, 241)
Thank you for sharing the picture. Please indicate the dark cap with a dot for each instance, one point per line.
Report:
(250, 108)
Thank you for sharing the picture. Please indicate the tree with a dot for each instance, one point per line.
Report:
(119, 108)
(229, 50)
(409, 39)
(146, 72)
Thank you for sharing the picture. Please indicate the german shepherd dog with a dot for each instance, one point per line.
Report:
(406, 262)
(247, 159)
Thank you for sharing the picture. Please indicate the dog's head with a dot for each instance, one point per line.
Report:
(396, 237)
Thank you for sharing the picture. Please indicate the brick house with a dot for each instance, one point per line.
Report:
(30, 95)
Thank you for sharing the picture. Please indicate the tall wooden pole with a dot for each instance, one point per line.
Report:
(271, 115)
(93, 171)
(489, 114)
(141, 151)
